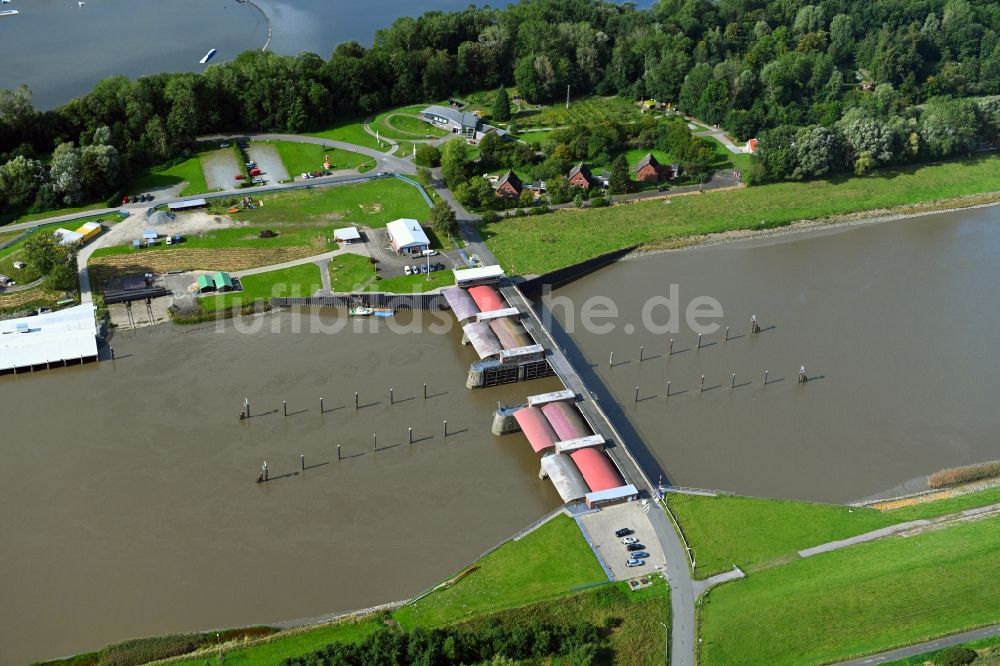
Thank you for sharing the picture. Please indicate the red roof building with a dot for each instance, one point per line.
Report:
(487, 298)
(509, 186)
(536, 428)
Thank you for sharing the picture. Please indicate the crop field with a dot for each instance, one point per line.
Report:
(582, 110)
(222, 259)
(858, 600)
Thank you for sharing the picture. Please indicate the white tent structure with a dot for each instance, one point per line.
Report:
(407, 237)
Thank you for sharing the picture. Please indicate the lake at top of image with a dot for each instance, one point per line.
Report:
(895, 323)
(60, 49)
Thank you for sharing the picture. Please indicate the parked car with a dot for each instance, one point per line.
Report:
(634, 562)
(306, 176)
(251, 164)
(623, 532)
(407, 270)
(429, 253)
(255, 171)
(629, 539)
(640, 555)
(238, 176)
(633, 547)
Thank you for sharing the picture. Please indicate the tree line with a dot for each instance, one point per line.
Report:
(534, 642)
(883, 77)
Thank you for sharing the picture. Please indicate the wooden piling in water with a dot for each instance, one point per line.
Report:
(637, 394)
(392, 399)
(445, 428)
(410, 434)
(670, 351)
(302, 461)
(284, 407)
(321, 410)
(765, 378)
(668, 389)
(425, 391)
(732, 384)
(338, 451)
(702, 389)
(355, 400)
(642, 353)
(727, 334)
(374, 442)
(699, 341)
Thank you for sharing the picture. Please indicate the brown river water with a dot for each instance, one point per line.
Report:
(129, 500)
(897, 324)
(130, 506)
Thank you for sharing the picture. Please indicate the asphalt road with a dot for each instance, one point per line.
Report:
(921, 648)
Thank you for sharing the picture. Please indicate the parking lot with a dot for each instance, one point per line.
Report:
(393, 265)
(601, 526)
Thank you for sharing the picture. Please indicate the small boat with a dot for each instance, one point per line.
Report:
(9, 12)
(208, 56)
(361, 311)
(383, 312)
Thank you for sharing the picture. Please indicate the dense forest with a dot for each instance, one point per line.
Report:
(829, 86)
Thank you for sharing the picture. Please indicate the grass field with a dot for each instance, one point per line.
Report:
(412, 284)
(349, 271)
(303, 157)
(858, 600)
(988, 648)
(61, 211)
(631, 619)
(351, 131)
(945, 506)
(754, 533)
(371, 204)
(592, 109)
(181, 171)
(550, 562)
(541, 244)
(296, 281)
(402, 124)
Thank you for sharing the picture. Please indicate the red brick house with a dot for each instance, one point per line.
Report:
(509, 186)
(579, 176)
(648, 170)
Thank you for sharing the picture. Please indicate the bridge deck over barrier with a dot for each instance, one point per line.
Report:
(588, 406)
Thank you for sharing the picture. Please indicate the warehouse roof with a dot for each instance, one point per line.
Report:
(407, 233)
(69, 334)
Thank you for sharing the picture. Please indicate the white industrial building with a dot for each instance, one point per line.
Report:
(407, 237)
(66, 337)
